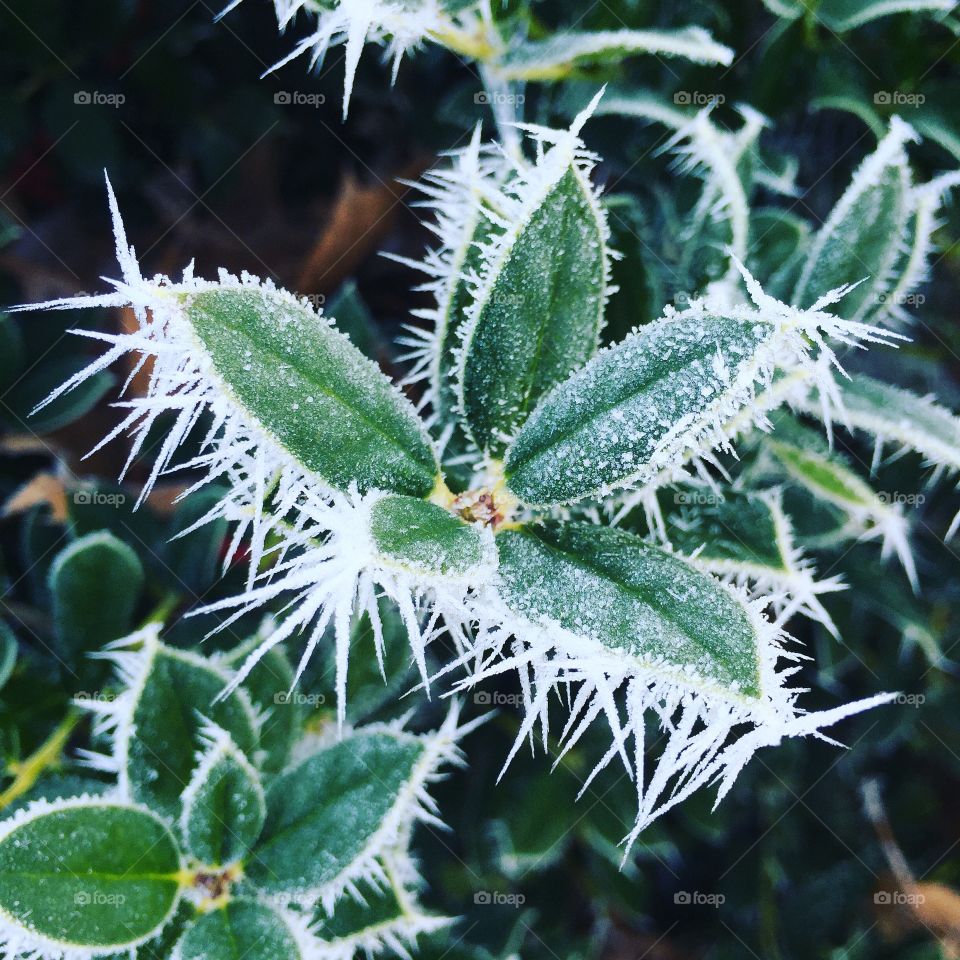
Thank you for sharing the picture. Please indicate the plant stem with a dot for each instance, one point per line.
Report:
(27, 772)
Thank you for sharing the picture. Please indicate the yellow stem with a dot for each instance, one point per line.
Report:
(27, 772)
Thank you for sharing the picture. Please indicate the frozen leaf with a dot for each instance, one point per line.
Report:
(157, 720)
(84, 877)
(538, 304)
(331, 818)
(242, 930)
(223, 804)
(561, 54)
(424, 538)
(669, 392)
(600, 608)
(862, 237)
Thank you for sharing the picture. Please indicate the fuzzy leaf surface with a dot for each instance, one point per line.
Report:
(618, 591)
(313, 392)
(94, 874)
(538, 315)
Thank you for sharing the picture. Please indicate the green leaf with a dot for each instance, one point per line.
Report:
(86, 873)
(734, 531)
(162, 722)
(324, 814)
(423, 539)
(313, 392)
(194, 559)
(779, 241)
(8, 653)
(862, 237)
(843, 15)
(240, 930)
(223, 805)
(893, 415)
(616, 421)
(538, 312)
(558, 56)
(613, 588)
(353, 317)
(95, 583)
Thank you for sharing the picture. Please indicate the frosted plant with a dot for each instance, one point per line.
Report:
(521, 509)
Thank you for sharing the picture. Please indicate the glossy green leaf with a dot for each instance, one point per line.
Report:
(422, 538)
(323, 814)
(240, 930)
(95, 584)
(91, 874)
(537, 316)
(861, 238)
(615, 589)
(616, 421)
(558, 56)
(307, 386)
(223, 805)
(177, 691)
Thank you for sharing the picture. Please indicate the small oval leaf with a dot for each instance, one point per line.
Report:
(163, 721)
(312, 391)
(538, 311)
(323, 814)
(95, 584)
(613, 588)
(240, 930)
(86, 873)
(424, 539)
(223, 805)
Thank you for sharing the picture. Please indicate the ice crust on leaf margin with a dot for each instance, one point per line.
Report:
(668, 393)
(605, 610)
(100, 876)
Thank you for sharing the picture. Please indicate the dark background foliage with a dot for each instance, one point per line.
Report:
(211, 164)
